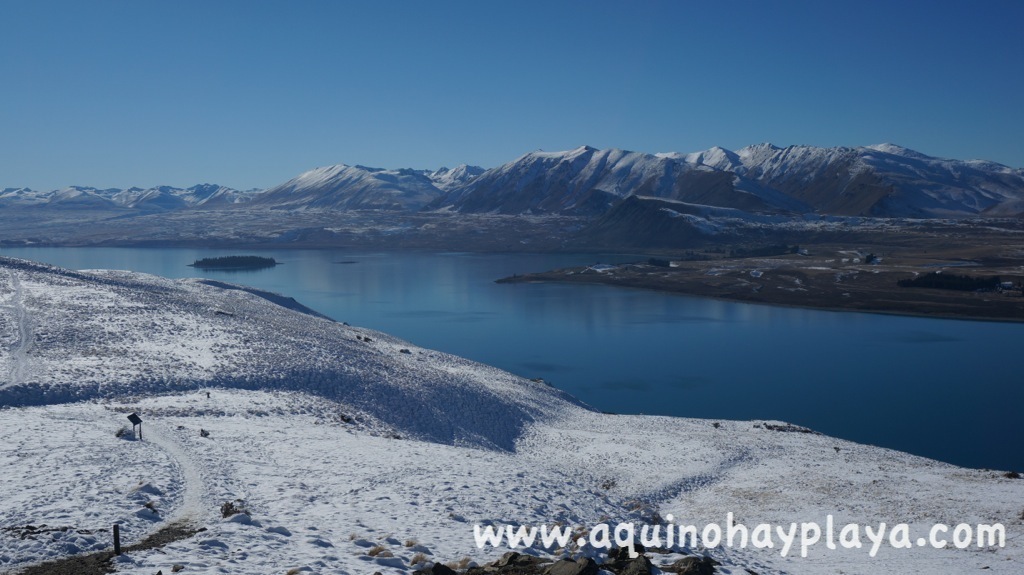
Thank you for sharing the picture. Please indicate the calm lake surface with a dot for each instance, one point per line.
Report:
(945, 389)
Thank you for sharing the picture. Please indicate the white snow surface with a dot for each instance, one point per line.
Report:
(336, 445)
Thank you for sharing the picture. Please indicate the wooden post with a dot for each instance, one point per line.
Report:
(140, 433)
(117, 539)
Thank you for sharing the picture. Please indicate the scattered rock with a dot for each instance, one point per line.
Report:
(621, 554)
(230, 508)
(511, 563)
(584, 566)
(437, 569)
(638, 566)
(693, 566)
(506, 559)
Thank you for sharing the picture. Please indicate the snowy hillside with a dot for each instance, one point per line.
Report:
(354, 452)
(104, 334)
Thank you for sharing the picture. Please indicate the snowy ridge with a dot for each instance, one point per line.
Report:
(160, 198)
(104, 334)
(354, 187)
(884, 180)
(590, 181)
(445, 179)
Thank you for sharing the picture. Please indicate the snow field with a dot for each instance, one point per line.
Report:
(63, 468)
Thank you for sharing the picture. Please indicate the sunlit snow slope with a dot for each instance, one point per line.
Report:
(83, 335)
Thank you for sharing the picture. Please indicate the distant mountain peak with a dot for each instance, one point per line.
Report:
(896, 150)
(353, 187)
(763, 146)
(448, 179)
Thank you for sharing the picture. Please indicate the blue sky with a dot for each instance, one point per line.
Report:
(249, 94)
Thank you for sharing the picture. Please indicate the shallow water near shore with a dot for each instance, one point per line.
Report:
(946, 389)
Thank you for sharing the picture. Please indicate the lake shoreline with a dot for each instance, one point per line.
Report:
(633, 351)
(778, 282)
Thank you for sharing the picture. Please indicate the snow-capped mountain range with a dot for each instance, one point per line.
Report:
(160, 198)
(351, 451)
(358, 187)
(883, 180)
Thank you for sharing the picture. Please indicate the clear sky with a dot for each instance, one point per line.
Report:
(251, 93)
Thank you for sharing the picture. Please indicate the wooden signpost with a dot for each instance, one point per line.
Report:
(136, 420)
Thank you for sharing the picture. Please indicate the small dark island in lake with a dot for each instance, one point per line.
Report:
(234, 263)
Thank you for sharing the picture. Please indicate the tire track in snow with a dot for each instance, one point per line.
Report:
(19, 352)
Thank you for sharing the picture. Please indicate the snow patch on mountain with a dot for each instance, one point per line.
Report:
(446, 179)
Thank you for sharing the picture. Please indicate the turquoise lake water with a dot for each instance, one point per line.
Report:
(945, 389)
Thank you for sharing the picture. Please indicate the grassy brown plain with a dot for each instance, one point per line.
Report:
(832, 276)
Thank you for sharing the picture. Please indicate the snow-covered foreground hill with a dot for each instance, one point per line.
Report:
(354, 452)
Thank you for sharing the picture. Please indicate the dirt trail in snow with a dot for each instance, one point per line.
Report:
(184, 522)
(19, 352)
(192, 509)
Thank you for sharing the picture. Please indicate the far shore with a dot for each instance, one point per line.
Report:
(834, 281)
